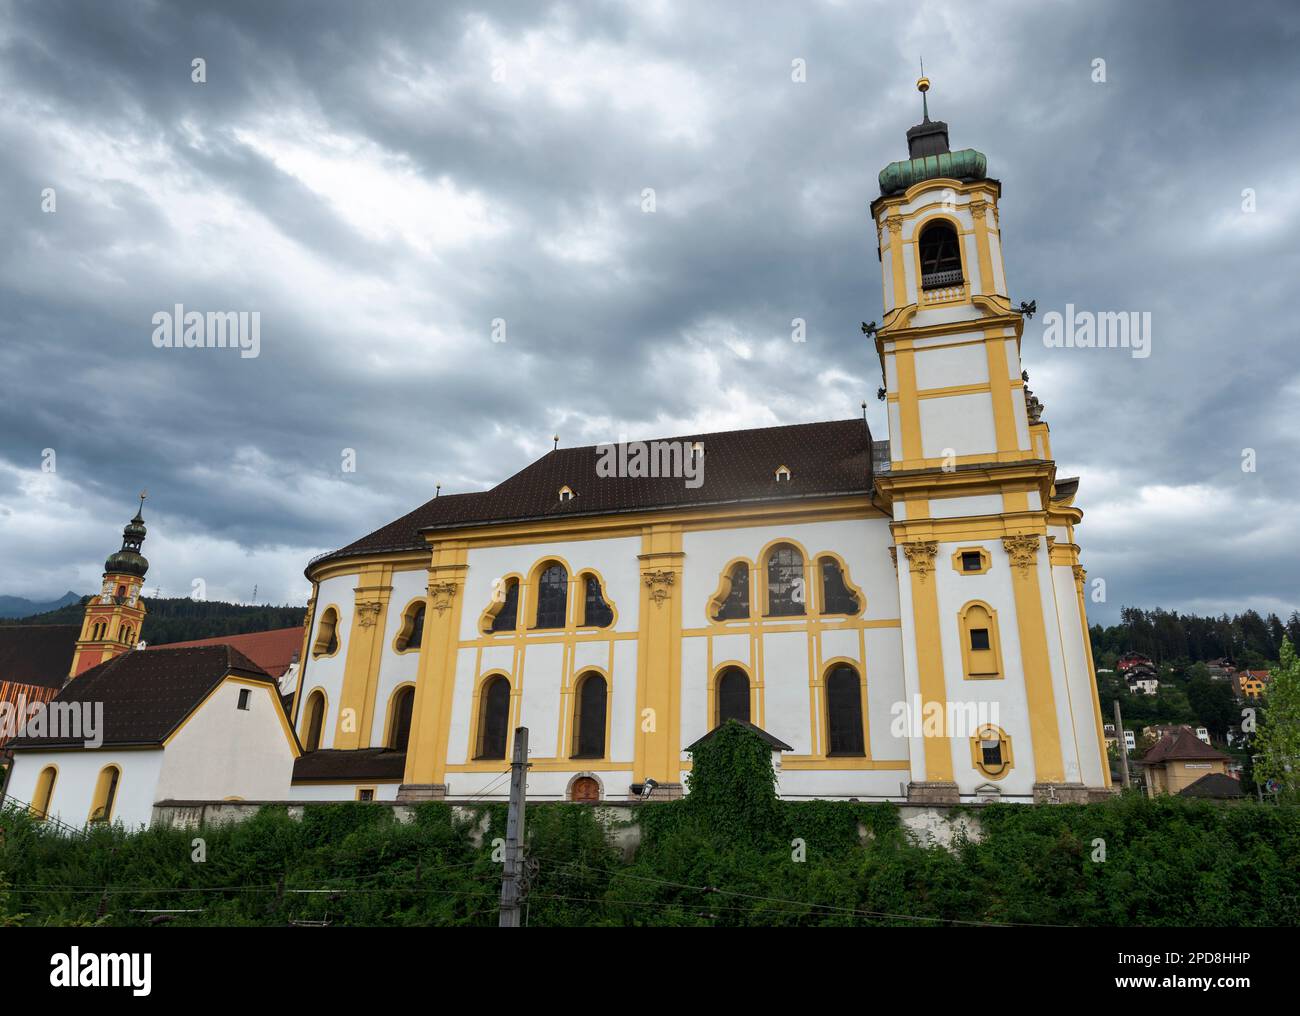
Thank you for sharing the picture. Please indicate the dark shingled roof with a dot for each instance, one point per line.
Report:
(1179, 745)
(37, 654)
(824, 459)
(773, 741)
(1213, 785)
(339, 765)
(146, 694)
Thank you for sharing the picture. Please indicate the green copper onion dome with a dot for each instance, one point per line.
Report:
(129, 560)
(929, 155)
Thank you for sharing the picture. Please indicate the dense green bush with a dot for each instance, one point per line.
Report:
(726, 855)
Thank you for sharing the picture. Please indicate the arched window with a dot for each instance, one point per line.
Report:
(837, 597)
(735, 600)
(940, 256)
(506, 616)
(981, 652)
(101, 808)
(733, 695)
(44, 793)
(327, 640)
(552, 596)
(589, 716)
(494, 718)
(596, 611)
(786, 592)
(990, 751)
(411, 635)
(314, 719)
(844, 712)
(399, 722)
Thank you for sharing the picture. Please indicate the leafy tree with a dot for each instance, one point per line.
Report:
(1278, 739)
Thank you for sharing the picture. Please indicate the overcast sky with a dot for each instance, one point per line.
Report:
(382, 181)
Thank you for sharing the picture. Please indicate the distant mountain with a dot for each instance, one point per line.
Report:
(179, 619)
(18, 606)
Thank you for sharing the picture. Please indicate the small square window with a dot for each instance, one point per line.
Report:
(991, 752)
(979, 638)
(366, 794)
(244, 695)
(971, 560)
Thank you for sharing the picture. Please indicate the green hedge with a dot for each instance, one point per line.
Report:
(728, 854)
(1168, 862)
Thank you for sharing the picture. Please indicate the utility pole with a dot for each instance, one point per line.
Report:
(1121, 745)
(514, 866)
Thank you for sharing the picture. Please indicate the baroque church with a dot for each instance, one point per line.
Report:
(817, 584)
(900, 619)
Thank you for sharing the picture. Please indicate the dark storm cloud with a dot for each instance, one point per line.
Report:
(358, 175)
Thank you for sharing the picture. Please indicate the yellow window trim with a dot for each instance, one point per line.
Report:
(497, 604)
(320, 642)
(305, 718)
(986, 560)
(406, 630)
(964, 627)
(723, 590)
(43, 798)
(580, 605)
(716, 679)
(478, 705)
(763, 568)
(101, 809)
(583, 676)
(991, 732)
(848, 583)
(824, 691)
(391, 716)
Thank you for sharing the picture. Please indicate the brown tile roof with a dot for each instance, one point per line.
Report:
(147, 693)
(37, 654)
(824, 459)
(273, 651)
(1179, 745)
(338, 765)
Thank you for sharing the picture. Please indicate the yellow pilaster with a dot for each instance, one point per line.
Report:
(979, 213)
(658, 740)
(895, 225)
(365, 649)
(920, 556)
(426, 758)
(1023, 551)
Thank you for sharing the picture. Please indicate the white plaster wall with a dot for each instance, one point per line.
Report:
(1007, 694)
(224, 751)
(963, 423)
(74, 789)
(785, 679)
(327, 671)
(948, 366)
(886, 690)
(540, 694)
(396, 668)
(1079, 678)
(959, 507)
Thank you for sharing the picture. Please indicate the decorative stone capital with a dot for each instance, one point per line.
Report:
(1080, 573)
(893, 556)
(368, 612)
(978, 207)
(1022, 549)
(441, 595)
(895, 224)
(920, 556)
(658, 581)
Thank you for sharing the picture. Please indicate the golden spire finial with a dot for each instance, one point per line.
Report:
(923, 86)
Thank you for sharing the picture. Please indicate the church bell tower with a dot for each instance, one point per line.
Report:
(113, 617)
(990, 586)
